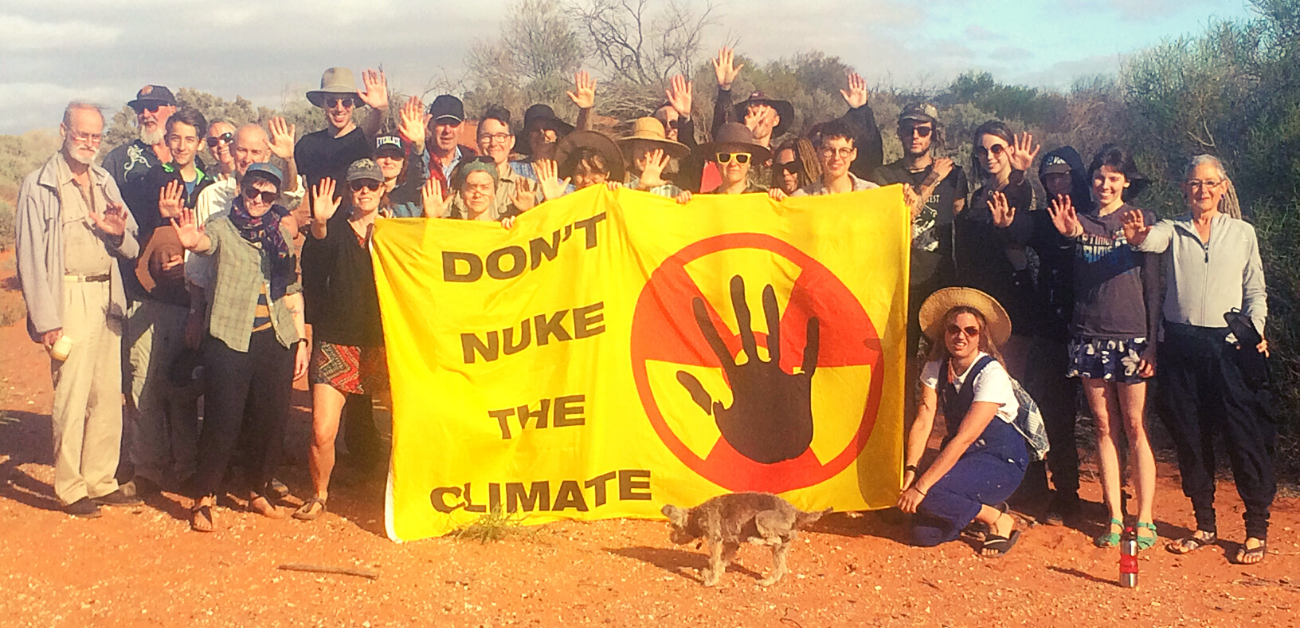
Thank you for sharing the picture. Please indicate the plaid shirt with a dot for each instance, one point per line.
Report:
(242, 270)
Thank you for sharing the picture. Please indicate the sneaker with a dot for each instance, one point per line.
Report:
(84, 508)
(117, 498)
(1062, 507)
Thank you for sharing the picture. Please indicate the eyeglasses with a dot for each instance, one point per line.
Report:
(224, 138)
(252, 194)
(150, 108)
(791, 167)
(921, 131)
(86, 138)
(357, 186)
(842, 153)
(1196, 184)
(997, 150)
(499, 138)
(741, 158)
(971, 332)
(335, 101)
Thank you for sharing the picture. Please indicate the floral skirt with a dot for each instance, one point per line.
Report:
(350, 370)
(1106, 359)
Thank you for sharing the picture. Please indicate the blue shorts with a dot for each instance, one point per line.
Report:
(1106, 359)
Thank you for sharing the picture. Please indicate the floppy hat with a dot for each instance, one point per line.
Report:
(735, 134)
(536, 115)
(598, 142)
(652, 130)
(155, 94)
(782, 107)
(935, 309)
(337, 81)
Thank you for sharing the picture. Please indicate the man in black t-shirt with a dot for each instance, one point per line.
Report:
(940, 188)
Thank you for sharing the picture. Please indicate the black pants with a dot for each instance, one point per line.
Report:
(1057, 397)
(365, 445)
(244, 392)
(1202, 392)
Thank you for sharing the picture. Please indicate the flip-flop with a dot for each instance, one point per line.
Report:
(1191, 544)
(304, 512)
(1243, 553)
(999, 544)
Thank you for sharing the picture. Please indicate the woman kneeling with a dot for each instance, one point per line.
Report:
(983, 456)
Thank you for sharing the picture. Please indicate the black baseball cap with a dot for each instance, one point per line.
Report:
(390, 142)
(447, 106)
(152, 95)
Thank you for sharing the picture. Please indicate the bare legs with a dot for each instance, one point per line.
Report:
(327, 407)
(1123, 407)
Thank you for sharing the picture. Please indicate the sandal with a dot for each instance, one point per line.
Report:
(270, 511)
(1248, 556)
(308, 511)
(1192, 543)
(997, 544)
(1109, 539)
(1146, 542)
(201, 517)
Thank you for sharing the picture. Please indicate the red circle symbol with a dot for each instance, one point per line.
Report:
(665, 330)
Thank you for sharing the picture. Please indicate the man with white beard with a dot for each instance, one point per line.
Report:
(129, 163)
(71, 230)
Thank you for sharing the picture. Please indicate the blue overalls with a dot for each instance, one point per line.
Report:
(988, 472)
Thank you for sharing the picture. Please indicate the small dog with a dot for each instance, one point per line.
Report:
(727, 520)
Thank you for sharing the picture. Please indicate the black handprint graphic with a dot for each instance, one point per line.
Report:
(770, 418)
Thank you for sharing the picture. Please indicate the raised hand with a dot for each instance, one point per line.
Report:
(113, 221)
(653, 174)
(1065, 217)
(282, 134)
(548, 179)
(413, 123)
(189, 233)
(1003, 212)
(435, 205)
(376, 94)
(942, 168)
(770, 418)
(323, 202)
(169, 199)
(1135, 227)
(762, 121)
(1023, 152)
(584, 90)
(524, 197)
(725, 69)
(856, 94)
(680, 95)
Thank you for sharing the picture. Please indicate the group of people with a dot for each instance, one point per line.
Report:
(156, 263)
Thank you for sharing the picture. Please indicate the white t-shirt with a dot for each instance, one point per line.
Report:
(992, 384)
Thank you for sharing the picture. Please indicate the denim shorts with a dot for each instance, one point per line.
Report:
(1106, 359)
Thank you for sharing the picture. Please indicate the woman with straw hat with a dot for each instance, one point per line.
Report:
(649, 151)
(983, 457)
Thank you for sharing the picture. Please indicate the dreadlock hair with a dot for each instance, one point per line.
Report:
(810, 168)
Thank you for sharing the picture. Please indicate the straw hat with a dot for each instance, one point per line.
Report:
(337, 81)
(652, 130)
(598, 142)
(935, 310)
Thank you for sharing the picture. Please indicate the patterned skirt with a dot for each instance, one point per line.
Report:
(1106, 359)
(350, 370)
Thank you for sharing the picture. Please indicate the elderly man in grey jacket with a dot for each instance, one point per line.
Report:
(72, 228)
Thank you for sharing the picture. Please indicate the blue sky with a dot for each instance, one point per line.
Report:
(272, 51)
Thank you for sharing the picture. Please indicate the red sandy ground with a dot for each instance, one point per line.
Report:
(143, 567)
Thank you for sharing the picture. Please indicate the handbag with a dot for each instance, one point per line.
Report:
(1250, 361)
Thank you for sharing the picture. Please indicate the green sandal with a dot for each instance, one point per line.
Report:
(1145, 542)
(1109, 539)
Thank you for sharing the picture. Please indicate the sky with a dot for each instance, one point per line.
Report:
(272, 51)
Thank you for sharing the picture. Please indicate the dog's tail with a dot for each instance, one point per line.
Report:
(805, 519)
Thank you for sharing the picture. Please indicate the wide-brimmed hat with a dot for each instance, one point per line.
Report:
(540, 114)
(735, 135)
(652, 130)
(599, 142)
(934, 312)
(336, 81)
(152, 95)
(782, 107)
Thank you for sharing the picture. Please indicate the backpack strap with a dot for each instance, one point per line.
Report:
(956, 404)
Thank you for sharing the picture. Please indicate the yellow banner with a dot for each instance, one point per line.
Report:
(615, 351)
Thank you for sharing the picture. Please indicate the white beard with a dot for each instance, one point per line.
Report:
(152, 138)
(77, 157)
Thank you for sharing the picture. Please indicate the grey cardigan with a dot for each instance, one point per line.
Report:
(1206, 280)
(39, 247)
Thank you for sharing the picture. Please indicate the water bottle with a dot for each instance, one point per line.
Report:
(1128, 560)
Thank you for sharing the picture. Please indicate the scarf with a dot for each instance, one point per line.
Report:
(264, 231)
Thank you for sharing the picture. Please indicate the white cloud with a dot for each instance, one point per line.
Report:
(20, 33)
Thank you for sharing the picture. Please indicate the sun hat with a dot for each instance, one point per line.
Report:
(934, 312)
(652, 130)
(336, 81)
(735, 135)
(541, 115)
(599, 142)
(783, 108)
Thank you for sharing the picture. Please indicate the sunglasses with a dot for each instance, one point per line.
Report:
(252, 194)
(997, 150)
(971, 332)
(922, 131)
(334, 101)
(224, 138)
(150, 108)
(791, 167)
(357, 186)
(741, 158)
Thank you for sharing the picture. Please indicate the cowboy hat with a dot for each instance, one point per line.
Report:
(934, 313)
(783, 108)
(540, 115)
(598, 142)
(652, 130)
(737, 135)
(337, 81)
